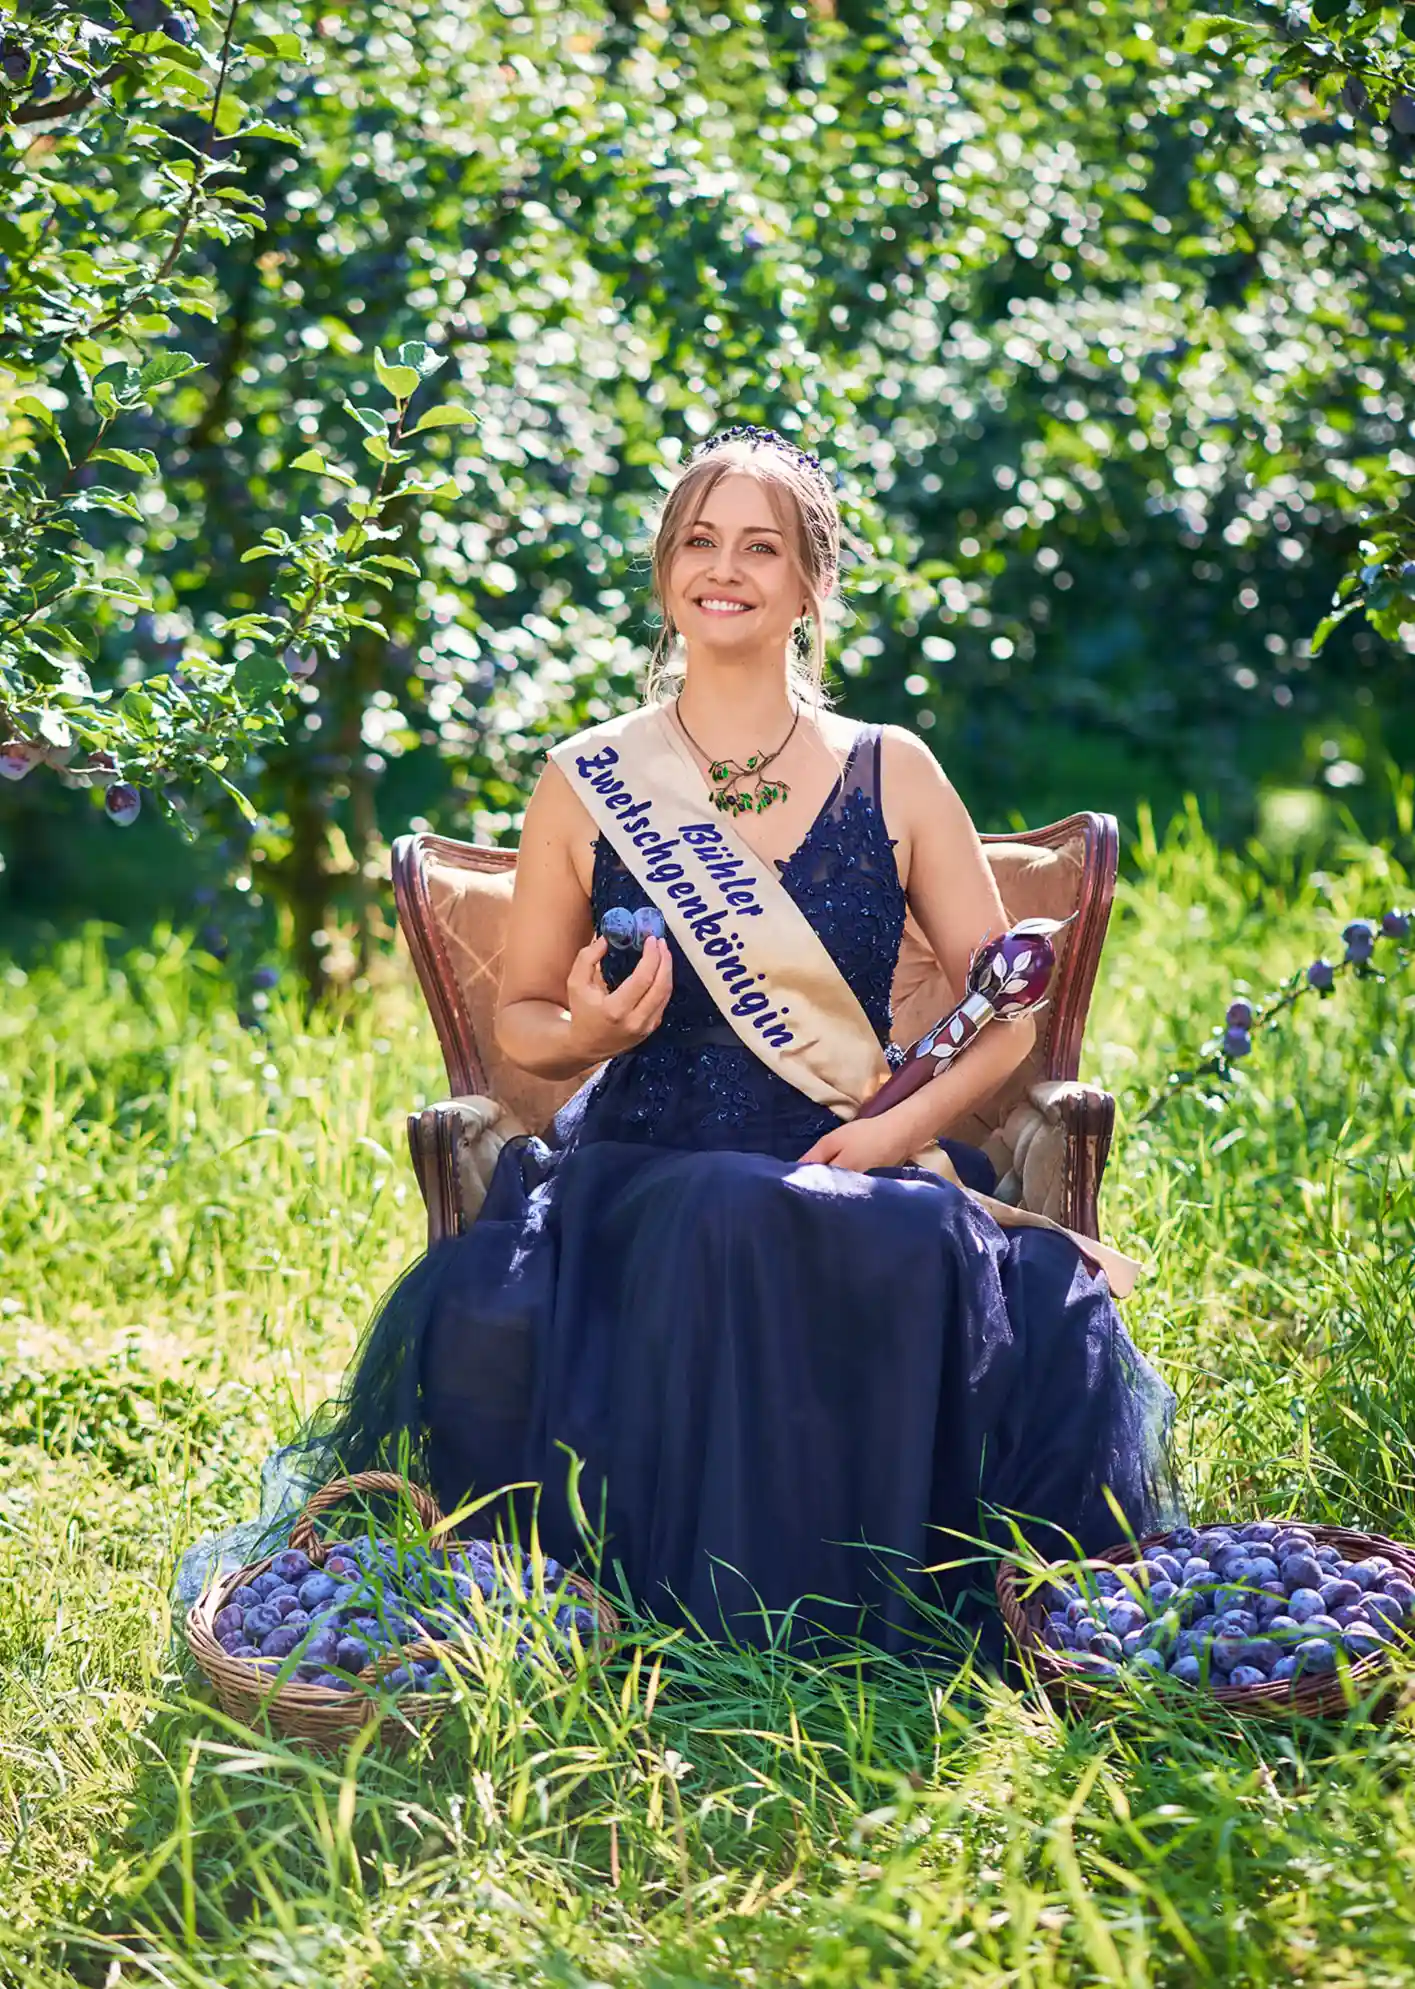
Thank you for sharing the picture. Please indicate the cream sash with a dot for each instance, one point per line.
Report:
(751, 945)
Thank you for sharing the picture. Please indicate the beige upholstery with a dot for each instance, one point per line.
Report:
(470, 907)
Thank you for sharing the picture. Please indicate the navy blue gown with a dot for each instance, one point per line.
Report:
(781, 1382)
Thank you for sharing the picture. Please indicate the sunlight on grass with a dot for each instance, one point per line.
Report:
(197, 1220)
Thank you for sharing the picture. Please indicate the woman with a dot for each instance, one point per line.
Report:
(790, 1362)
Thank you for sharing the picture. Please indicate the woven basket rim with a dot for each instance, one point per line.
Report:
(1064, 1677)
(319, 1713)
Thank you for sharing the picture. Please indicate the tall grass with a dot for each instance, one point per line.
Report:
(197, 1219)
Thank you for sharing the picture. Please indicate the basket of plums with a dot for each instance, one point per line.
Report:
(1271, 1618)
(327, 1636)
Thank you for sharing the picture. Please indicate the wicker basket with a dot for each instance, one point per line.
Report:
(1071, 1685)
(325, 1719)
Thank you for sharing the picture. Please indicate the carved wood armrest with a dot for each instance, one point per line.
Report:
(454, 1145)
(1051, 1151)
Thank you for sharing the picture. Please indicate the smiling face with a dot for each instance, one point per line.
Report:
(732, 586)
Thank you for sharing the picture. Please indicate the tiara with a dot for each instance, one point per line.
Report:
(767, 438)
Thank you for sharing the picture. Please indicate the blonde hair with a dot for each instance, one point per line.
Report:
(804, 506)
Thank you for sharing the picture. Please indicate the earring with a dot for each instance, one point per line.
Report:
(801, 637)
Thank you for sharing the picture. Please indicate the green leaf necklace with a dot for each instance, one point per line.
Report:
(729, 795)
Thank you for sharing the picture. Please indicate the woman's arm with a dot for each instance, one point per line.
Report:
(555, 1016)
(952, 894)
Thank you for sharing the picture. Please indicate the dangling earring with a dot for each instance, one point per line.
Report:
(801, 637)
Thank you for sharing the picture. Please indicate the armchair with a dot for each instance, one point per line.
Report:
(1047, 1135)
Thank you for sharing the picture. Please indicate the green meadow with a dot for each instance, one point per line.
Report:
(199, 1215)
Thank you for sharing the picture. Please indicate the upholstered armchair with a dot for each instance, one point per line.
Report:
(1047, 1135)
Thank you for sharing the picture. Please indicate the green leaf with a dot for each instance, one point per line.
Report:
(445, 417)
(371, 419)
(242, 801)
(262, 679)
(396, 563)
(101, 499)
(263, 552)
(141, 460)
(1330, 622)
(264, 127)
(167, 366)
(312, 459)
(401, 381)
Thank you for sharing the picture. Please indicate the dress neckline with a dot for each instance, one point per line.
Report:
(783, 863)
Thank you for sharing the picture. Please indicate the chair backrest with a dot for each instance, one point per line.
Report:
(453, 899)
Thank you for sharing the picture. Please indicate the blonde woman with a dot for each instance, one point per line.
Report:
(792, 1362)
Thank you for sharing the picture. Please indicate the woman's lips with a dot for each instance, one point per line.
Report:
(723, 604)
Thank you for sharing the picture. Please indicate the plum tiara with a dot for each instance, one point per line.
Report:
(749, 431)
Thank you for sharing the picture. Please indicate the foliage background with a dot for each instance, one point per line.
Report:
(1101, 318)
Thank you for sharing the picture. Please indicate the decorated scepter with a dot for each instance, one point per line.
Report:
(1007, 977)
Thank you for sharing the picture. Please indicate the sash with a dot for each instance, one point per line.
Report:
(752, 946)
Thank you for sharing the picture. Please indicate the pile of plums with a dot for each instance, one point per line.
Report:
(375, 1596)
(1229, 1605)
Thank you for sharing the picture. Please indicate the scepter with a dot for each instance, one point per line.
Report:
(1008, 977)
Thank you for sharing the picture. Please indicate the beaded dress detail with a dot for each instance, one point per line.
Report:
(693, 1082)
(780, 1381)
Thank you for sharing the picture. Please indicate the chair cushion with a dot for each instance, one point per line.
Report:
(470, 907)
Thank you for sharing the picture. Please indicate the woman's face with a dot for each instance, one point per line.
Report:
(732, 587)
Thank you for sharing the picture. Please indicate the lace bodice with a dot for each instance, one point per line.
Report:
(692, 1082)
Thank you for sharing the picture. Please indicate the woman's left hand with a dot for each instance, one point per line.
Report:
(861, 1144)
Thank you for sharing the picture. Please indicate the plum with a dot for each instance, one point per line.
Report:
(315, 1589)
(1382, 1605)
(1237, 1623)
(1262, 1569)
(1260, 1652)
(1402, 1590)
(281, 1641)
(1227, 1651)
(1293, 1540)
(1161, 1593)
(246, 1597)
(1346, 1614)
(1360, 1642)
(265, 1585)
(260, 1621)
(330, 1681)
(285, 1603)
(1327, 1557)
(1338, 1594)
(298, 1619)
(340, 1568)
(1301, 1571)
(397, 1680)
(1247, 1675)
(1182, 1539)
(232, 1642)
(1322, 1626)
(227, 1619)
(322, 1646)
(1315, 1655)
(248, 1653)
(351, 1654)
(122, 803)
(291, 1565)
(1122, 1615)
(1132, 1641)
(1147, 1660)
(1285, 1628)
(1363, 1574)
(1196, 1568)
(1262, 1531)
(1286, 1667)
(1187, 1670)
(1304, 1602)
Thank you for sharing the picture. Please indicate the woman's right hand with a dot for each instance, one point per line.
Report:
(604, 1021)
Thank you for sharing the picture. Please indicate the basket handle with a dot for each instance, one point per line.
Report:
(303, 1534)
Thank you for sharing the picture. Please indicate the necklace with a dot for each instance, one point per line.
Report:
(726, 776)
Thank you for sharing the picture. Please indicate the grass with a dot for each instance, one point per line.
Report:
(196, 1222)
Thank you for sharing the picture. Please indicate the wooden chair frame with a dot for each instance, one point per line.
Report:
(1087, 1112)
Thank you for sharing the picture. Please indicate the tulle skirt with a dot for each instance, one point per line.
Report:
(770, 1394)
